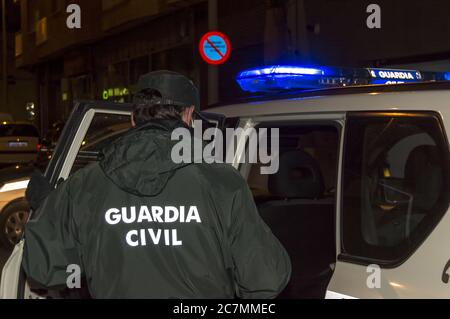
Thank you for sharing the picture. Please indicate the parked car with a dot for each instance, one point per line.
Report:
(14, 209)
(19, 143)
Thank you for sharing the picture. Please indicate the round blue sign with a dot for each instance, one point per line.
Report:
(215, 48)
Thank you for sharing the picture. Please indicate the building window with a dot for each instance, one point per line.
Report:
(41, 31)
(34, 20)
(395, 186)
(18, 44)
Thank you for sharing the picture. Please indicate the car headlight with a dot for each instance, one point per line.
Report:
(12, 186)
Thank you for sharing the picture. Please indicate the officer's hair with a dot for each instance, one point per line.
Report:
(147, 108)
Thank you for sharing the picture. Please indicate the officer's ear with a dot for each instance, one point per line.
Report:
(133, 123)
(186, 115)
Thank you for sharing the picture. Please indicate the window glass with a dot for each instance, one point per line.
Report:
(18, 130)
(395, 183)
(104, 129)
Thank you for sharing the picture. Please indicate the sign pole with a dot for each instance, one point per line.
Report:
(213, 72)
(4, 60)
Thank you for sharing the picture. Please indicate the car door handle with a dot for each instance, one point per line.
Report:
(445, 275)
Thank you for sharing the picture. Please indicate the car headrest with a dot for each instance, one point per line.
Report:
(298, 176)
(423, 175)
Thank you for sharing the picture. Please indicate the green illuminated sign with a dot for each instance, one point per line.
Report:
(114, 92)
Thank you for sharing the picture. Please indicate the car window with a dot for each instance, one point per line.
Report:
(18, 130)
(298, 202)
(53, 134)
(319, 143)
(104, 129)
(395, 184)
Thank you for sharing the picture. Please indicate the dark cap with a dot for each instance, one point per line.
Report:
(175, 88)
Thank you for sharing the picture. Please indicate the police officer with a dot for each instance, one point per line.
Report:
(140, 225)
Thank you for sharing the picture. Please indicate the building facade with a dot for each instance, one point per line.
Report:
(12, 98)
(119, 40)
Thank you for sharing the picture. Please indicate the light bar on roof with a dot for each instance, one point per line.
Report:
(281, 70)
(287, 77)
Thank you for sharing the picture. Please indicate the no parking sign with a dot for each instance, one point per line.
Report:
(215, 48)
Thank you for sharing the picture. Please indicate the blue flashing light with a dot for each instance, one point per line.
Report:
(280, 70)
(283, 77)
(288, 77)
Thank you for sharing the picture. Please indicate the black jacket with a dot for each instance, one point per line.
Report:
(141, 226)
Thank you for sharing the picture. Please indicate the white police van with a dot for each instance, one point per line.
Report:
(361, 196)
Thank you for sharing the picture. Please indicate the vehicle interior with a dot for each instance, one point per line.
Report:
(298, 204)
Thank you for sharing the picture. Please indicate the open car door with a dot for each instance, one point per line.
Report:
(91, 126)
